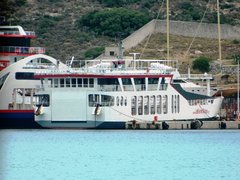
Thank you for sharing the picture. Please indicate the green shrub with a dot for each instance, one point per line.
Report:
(202, 64)
(46, 23)
(20, 2)
(236, 59)
(117, 3)
(81, 37)
(93, 52)
(235, 41)
(114, 22)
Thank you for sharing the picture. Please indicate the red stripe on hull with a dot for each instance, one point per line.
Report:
(15, 54)
(16, 111)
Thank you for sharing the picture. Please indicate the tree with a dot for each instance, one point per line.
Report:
(113, 22)
(236, 59)
(93, 52)
(202, 64)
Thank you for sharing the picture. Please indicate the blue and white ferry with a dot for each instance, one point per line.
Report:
(107, 94)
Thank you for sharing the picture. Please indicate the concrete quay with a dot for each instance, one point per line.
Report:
(182, 125)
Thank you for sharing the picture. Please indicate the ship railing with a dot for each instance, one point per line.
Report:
(114, 88)
(22, 50)
(28, 33)
(138, 63)
(110, 71)
(122, 70)
(196, 76)
(37, 65)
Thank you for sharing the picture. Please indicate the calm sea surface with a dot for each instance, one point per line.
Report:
(127, 154)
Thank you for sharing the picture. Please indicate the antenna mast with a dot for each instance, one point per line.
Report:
(167, 30)
(219, 36)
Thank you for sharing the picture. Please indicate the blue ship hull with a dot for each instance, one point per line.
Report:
(17, 119)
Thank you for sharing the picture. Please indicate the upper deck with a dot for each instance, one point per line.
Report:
(15, 31)
(15, 44)
(113, 69)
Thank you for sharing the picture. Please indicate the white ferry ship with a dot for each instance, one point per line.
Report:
(107, 94)
(18, 62)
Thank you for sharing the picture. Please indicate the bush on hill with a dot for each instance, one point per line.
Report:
(121, 3)
(114, 22)
(202, 64)
(93, 52)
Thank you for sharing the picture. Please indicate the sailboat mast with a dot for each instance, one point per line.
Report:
(238, 92)
(219, 36)
(167, 30)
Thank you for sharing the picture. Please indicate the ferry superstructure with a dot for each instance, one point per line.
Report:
(107, 94)
(15, 44)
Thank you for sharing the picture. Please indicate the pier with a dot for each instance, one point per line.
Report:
(182, 125)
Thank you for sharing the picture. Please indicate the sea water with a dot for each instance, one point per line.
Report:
(119, 154)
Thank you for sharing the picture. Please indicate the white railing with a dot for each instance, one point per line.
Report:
(22, 50)
(118, 67)
(196, 76)
(28, 33)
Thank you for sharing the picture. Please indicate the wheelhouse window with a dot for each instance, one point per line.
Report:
(165, 104)
(85, 82)
(134, 105)
(121, 102)
(79, 81)
(159, 104)
(61, 82)
(108, 84)
(104, 81)
(103, 100)
(93, 100)
(152, 80)
(107, 100)
(55, 82)
(127, 84)
(67, 82)
(91, 82)
(73, 81)
(24, 76)
(140, 105)
(126, 81)
(117, 101)
(43, 100)
(140, 84)
(146, 105)
(152, 104)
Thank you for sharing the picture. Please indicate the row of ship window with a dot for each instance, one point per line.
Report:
(140, 83)
(158, 104)
(195, 102)
(107, 84)
(140, 105)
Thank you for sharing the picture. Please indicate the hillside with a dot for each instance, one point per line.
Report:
(179, 49)
(56, 21)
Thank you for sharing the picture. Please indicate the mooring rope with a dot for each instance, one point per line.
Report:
(132, 117)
